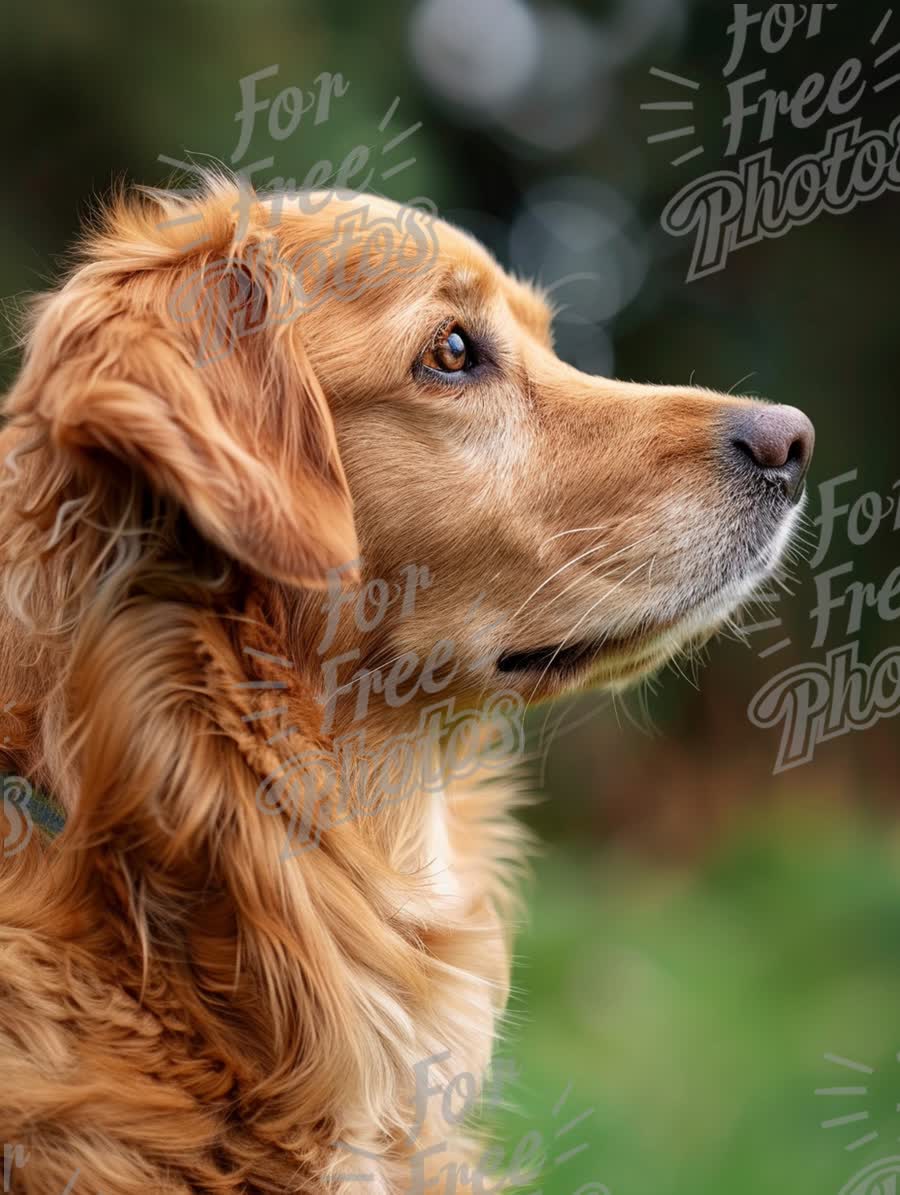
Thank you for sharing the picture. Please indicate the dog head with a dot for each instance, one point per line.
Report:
(337, 390)
(576, 530)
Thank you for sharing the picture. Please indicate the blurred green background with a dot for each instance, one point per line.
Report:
(703, 930)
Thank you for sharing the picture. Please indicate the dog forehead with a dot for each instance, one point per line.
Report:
(470, 271)
(459, 266)
(323, 212)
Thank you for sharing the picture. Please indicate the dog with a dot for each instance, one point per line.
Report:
(282, 477)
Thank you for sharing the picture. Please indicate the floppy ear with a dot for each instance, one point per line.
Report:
(244, 442)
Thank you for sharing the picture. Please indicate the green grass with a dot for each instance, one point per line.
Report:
(692, 1011)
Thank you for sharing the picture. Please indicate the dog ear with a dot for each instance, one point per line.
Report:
(220, 411)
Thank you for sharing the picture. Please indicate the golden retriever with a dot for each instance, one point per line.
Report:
(281, 474)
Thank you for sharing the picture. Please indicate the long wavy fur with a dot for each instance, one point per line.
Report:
(181, 1008)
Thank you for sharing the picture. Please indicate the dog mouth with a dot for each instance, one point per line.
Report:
(541, 659)
(635, 652)
(655, 637)
(566, 659)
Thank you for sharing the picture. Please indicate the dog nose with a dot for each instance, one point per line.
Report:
(777, 441)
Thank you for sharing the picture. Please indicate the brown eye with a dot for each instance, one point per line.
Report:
(450, 353)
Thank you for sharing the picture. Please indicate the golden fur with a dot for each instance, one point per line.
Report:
(182, 1009)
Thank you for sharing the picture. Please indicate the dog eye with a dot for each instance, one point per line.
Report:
(451, 353)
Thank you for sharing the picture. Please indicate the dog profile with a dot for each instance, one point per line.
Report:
(276, 484)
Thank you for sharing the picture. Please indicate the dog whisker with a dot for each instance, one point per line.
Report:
(592, 571)
(583, 555)
(574, 531)
(586, 614)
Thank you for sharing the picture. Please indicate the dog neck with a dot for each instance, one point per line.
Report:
(389, 933)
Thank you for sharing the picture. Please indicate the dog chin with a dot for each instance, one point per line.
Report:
(617, 662)
(703, 622)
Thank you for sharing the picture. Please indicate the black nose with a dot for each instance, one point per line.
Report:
(778, 443)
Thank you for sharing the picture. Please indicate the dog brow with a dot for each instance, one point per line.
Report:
(461, 282)
(529, 305)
